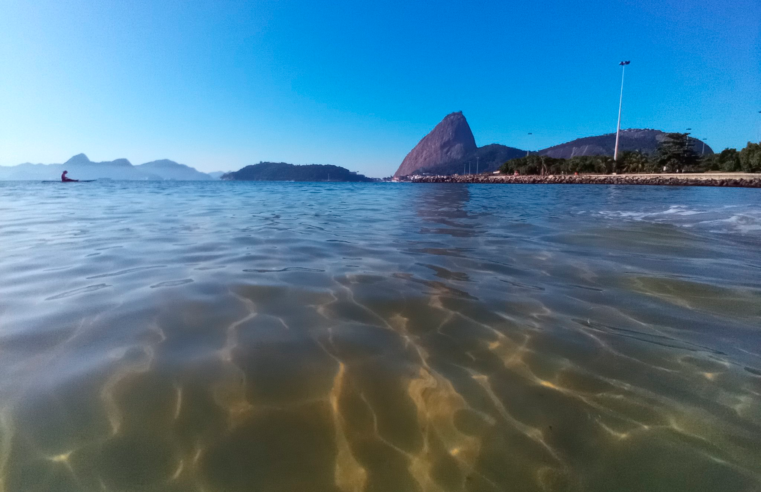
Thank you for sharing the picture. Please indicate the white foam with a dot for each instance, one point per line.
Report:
(725, 219)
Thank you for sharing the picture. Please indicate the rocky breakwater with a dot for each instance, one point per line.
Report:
(740, 180)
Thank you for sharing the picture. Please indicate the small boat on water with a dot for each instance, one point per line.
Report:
(72, 181)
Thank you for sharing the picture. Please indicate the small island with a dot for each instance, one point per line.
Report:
(281, 171)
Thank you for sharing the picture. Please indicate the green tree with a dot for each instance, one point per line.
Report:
(729, 160)
(675, 153)
(750, 158)
(533, 164)
(709, 162)
(541, 164)
(634, 162)
(599, 164)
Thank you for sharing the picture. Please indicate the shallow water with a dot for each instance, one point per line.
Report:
(379, 337)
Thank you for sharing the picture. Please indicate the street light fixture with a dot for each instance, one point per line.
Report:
(620, 103)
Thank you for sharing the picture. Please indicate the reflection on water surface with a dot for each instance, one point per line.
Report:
(336, 337)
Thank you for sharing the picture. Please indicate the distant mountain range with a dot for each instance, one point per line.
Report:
(280, 171)
(81, 167)
(450, 148)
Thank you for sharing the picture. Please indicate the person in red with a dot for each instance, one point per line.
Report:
(67, 179)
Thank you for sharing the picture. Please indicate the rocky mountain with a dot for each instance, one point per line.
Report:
(449, 141)
(280, 171)
(488, 158)
(642, 140)
(167, 169)
(81, 167)
(451, 149)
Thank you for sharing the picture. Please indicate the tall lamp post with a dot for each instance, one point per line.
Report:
(620, 103)
(527, 151)
(704, 146)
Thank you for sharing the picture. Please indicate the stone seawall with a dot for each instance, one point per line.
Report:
(744, 181)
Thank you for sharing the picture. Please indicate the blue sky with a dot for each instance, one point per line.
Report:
(218, 85)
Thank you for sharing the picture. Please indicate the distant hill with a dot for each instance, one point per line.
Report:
(642, 140)
(280, 171)
(81, 167)
(167, 169)
(488, 158)
(217, 174)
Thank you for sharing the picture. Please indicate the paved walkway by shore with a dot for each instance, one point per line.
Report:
(743, 180)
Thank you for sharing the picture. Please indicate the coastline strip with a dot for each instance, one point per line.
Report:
(740, 180)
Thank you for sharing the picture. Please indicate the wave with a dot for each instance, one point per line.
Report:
(725, 219)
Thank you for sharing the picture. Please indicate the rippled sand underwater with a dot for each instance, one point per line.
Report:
(336, 337)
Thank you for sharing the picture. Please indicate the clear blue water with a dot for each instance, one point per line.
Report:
(231, 336)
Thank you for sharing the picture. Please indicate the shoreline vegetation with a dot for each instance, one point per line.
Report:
(675, 154)
(735, 180)
(674, 164)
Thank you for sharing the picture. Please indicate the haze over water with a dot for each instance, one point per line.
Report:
(235, 336)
